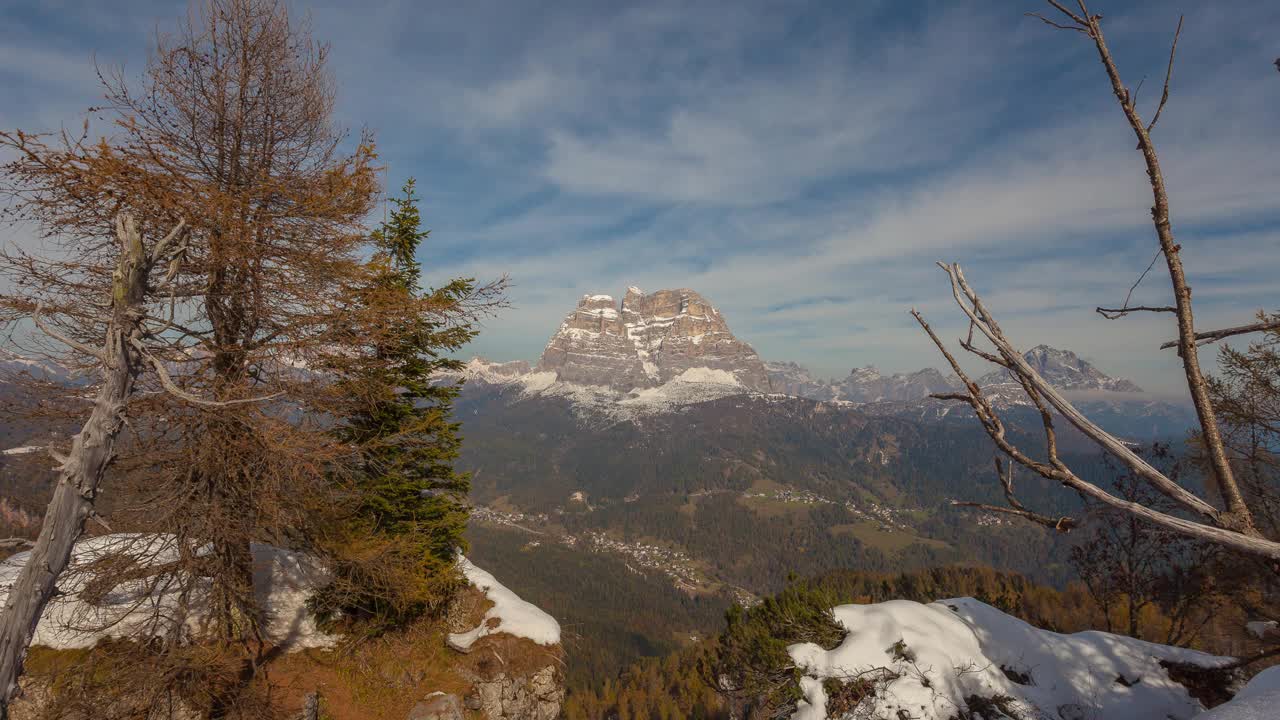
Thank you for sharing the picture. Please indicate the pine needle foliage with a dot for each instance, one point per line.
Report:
(409, 501)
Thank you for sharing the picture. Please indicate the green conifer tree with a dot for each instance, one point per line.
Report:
(409, 509)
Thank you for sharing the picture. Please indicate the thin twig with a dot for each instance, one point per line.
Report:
(1078, 20)
(158, 252)
(1059, 26)
(1168, 73)
(1062, 524)
(1124, 307)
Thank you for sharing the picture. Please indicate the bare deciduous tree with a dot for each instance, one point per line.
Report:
(230, 130)
(1231, 526)
(1130, 567)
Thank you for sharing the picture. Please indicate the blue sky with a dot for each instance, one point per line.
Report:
(802, 165)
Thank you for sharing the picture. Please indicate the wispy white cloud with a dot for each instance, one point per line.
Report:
(802, 165)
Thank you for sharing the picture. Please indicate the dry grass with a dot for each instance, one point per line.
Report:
(378, 678)
(383, 678)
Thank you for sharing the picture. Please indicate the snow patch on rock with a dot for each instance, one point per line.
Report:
(941, 654)
(513, 615)
(708, 375)
(595, 403)
(1259, 699)
(537, 382)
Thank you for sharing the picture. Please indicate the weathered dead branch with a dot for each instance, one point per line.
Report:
(92, 450)
(1212, 336)
(1232, 526)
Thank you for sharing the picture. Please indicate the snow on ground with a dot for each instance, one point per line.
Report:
(595, 403)
(952, 650)
(708, 375)
(1259, 700)
(536, 382)
(695, 385)
(109, 593)
(599, 402)
(514, 615)
(148, 602)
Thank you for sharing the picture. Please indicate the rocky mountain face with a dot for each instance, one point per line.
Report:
(647, 341)
(1064, 370)
(496, 371)
(795, 380)
(865, 385)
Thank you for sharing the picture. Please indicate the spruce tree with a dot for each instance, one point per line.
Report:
(409, 508)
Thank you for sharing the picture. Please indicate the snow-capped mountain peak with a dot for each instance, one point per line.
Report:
(647, 341)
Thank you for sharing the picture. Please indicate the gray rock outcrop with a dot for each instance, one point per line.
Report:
(529, 697)
(438, 707)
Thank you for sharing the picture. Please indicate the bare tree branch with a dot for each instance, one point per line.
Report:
(1114, 313)
(1062, 524)
(1075, 18)
(1212, 336)
(166, 381)
(1051, 23)
(1124, 307)
(1237, 514)
(158, 253)
(1055, 469)
(36, 314)
(972, 306)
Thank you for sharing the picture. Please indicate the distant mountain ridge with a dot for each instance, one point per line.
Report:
(662, 351)
(861, 385)
(1062, 368)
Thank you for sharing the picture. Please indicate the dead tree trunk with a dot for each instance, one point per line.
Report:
(84, 466)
